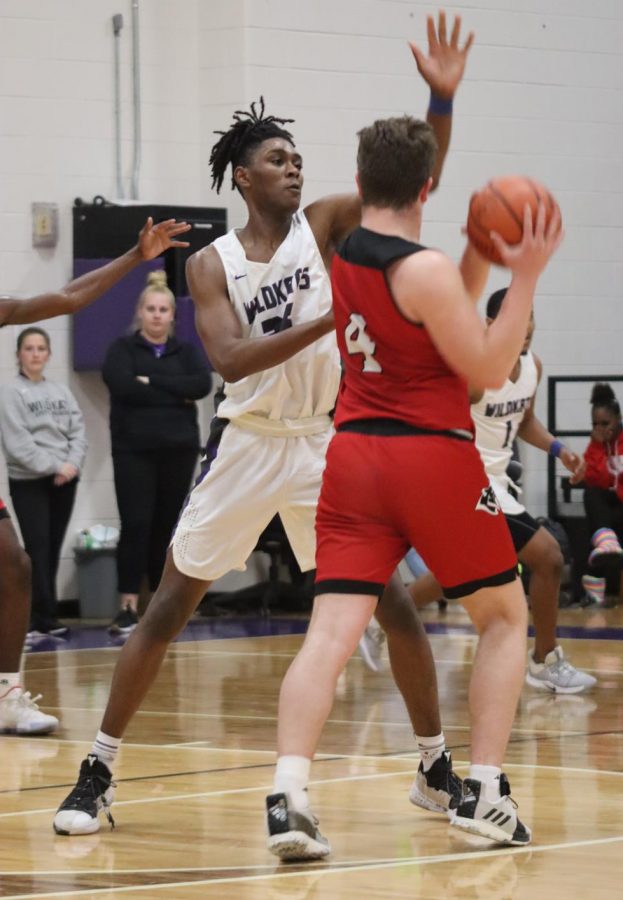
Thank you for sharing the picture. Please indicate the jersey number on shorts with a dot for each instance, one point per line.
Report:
(278, 323)
(359, 341)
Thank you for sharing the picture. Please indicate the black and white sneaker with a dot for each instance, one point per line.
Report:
(293, 834)
(94, 791)
(124, 622)
(497, 820)
(438, 790)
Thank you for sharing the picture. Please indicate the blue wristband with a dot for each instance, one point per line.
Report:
(556, 447)
(440, 106)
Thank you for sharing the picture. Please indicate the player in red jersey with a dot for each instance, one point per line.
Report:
(402, 470)
(19, 713)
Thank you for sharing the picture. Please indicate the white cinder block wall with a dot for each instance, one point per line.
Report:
(543, 96)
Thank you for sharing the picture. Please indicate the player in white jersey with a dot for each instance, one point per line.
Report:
(219, 528)
(499, 417)
(263, 310)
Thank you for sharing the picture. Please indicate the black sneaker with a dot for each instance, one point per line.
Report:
(438, 790)
(94, 790)
(124, 622)
(293, 834)
(495, 820)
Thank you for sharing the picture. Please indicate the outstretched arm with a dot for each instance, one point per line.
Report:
(333, 218)
(442, 70)
(152, 241)
(532, 431)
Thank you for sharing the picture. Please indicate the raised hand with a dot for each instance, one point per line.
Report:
(443, 68)
(155, 239)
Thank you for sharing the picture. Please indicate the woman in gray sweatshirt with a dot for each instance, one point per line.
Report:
(44, 443)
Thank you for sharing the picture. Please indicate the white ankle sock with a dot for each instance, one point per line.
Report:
(430, 749)
(9, 680)
(490, 778)
(292, 778)
(106, 748)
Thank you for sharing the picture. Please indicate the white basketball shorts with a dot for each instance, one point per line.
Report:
(252, 478)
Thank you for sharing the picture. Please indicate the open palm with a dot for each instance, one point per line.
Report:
(155, 239)
(443, 68)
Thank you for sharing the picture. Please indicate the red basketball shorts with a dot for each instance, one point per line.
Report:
(382, 495)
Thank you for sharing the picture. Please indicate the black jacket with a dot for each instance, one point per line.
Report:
(160, 414)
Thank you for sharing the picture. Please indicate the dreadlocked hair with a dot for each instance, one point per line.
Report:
(249, 129)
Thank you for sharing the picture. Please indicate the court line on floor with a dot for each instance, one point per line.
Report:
(340, 868)
(381, 723)
(355, 658)
(265, 788)
(400, 756)
(256, 653)
(375, 776)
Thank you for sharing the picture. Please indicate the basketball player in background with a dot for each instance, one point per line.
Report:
(263, 310)
(402, 470)
(19, 713)
(499, 416)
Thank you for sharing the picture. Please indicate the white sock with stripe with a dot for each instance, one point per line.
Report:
(430, 749)
(106, 748)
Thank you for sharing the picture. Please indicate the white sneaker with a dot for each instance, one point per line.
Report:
(371, 646)
(496, 819)
(557, 675)
(19, 714)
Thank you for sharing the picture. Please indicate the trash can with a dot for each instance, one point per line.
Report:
(97, 582)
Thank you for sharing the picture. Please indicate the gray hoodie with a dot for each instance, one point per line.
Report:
(42, 428)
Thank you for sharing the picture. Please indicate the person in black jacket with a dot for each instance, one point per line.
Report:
(153, 380)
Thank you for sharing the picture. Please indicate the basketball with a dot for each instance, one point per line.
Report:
(499, 206)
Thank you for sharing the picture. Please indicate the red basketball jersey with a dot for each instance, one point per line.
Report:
(392, 369)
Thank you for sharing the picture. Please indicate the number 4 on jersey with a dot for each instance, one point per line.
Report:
(359, 341)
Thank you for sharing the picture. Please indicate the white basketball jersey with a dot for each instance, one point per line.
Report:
(294, 287)
(497, 417)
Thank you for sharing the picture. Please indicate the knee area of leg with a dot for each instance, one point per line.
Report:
(400, 617)
(553, 559)
(19, 565)
(510, 613)
(163, 621)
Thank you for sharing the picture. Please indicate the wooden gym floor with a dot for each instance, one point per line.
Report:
(198, 760)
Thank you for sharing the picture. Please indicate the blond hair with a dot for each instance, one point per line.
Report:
(156, 284)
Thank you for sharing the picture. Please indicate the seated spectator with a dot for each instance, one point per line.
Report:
(603, 491)
(153, 380)
(44, 442)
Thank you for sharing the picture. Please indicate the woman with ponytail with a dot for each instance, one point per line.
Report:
(154, 381)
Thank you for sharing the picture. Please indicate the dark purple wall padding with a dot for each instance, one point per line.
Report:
(110, 317)
(103, 231)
